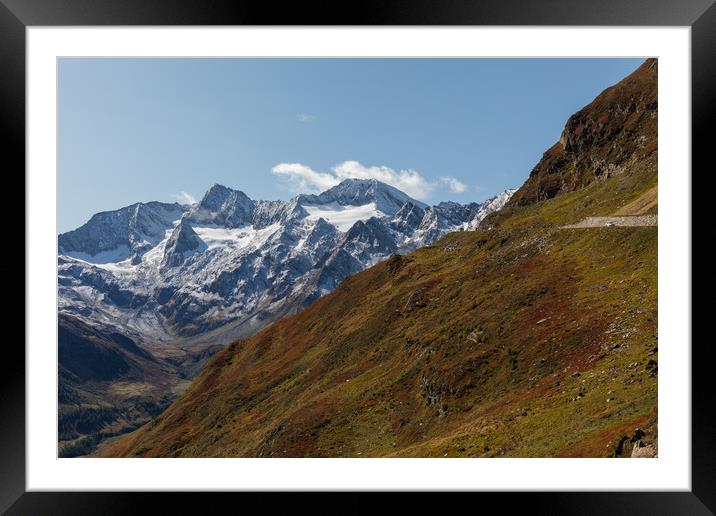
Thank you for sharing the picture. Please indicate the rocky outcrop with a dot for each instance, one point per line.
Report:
(604, 138)
(182, 243)
(643, 451)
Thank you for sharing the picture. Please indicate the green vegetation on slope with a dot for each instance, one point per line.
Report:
(523, 340)
(519, 339)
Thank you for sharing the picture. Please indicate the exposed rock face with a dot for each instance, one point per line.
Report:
(181, 244)
(167, 271)
(605, 137)
(225, 207)
(642, 451)
(410, 216)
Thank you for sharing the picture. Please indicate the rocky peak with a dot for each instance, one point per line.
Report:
(323, 235)
(224, 206)
(133, 227)
(618, 127)
(368, 238)
(182, 243)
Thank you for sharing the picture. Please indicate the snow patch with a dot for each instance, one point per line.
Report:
(342, 217)
(111, 256)
(234, 238)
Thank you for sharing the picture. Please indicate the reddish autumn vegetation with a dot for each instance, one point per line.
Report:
(522, 338)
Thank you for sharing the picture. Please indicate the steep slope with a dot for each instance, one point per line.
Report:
(107, 385)
(521, 338)
(167, 272)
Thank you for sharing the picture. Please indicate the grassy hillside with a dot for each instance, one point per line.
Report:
(519, 339)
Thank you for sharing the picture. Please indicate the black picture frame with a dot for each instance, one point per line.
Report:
(17, 15)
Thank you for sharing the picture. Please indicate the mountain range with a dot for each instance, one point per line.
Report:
(162, 272)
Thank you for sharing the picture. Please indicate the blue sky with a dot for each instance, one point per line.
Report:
(440, 129)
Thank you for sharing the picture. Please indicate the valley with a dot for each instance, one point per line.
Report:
(179, 282)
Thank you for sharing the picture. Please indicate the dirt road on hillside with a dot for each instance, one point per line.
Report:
(624, 221)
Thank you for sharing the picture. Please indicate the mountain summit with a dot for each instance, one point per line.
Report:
(359, 192)
(224, 206)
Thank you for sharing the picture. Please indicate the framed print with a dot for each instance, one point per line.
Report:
(417, 248)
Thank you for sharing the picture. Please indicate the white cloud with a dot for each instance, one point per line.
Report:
(305, 117)
(184, 198)
(455, 185)
(408, 181)
(303, 179)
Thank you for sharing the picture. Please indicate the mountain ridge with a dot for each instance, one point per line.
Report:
(168, 271)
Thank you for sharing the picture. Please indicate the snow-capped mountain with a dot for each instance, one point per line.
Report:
(162, 271)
